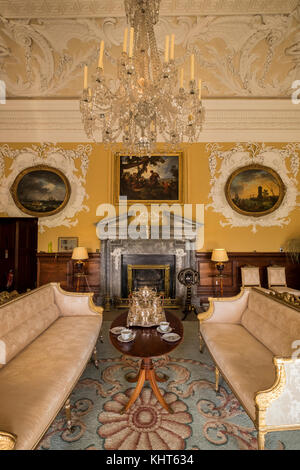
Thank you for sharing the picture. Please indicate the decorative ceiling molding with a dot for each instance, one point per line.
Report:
(255, 56)
(226, 121)
(103, 8)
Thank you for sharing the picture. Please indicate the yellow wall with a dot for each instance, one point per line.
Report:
(98, 186)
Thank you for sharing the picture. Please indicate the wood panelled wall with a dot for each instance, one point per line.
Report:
(232, 283)
(58, 267)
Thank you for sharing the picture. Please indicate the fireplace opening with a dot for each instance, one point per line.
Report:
(154, 276)
(147, 270)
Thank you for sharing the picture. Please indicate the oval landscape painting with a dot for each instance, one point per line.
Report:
(254, 190)
(41, 191)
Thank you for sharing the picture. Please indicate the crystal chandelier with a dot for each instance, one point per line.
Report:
(150, 101)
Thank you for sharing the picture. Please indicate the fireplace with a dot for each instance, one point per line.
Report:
(155, 271)
(129, 263)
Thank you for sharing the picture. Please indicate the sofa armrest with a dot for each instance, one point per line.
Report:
(7, 440)
(279, 406)
(75, 303)
(226, 309)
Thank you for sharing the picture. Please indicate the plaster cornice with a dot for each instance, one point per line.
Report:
(115, 8)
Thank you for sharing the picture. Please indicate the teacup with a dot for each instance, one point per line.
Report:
(164, 325)
(126, 334)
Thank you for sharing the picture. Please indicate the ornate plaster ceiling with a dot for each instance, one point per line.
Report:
(243, 48)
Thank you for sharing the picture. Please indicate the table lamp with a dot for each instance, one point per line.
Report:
(79, 254)
(219, 256)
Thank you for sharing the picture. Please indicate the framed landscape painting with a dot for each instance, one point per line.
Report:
(150, 179)
(67, 244)
(254, 190)
(41, 191)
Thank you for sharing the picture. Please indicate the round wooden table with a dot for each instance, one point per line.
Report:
(147, 344)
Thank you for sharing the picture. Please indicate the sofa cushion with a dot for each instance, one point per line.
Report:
(22, 320)
(18, 338)
(275, 325)
(245, 362)
(36, 383)
(24, 307)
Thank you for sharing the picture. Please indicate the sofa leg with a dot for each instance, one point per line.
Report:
(217, 372)
(201, 347)
(95, 359)
(261, 440)
(68, 414)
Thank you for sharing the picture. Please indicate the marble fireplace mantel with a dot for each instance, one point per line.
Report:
(180, 243)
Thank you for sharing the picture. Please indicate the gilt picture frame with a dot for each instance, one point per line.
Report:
(154, 179)
(255, 190)
(41, 191)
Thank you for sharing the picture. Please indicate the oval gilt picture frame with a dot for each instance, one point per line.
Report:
(254, 190)
(41, 191)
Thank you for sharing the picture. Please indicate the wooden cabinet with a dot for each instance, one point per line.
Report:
(18, 248)
(59, 267)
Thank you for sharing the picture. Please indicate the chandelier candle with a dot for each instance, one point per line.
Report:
(192, 67)
(172, 47)
(131, 42)
(85, 77)
(167, 49)
(100, 62)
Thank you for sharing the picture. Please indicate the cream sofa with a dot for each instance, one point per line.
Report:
(254, 341)
(47, 336)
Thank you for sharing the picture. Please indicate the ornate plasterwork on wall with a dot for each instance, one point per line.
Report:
(240, 53)
(222, 163)
(73, 163)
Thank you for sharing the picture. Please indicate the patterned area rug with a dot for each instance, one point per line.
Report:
(202, 419)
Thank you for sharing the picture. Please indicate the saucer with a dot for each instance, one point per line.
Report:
(166, 331)
(126, 340)
(117, 330)
(171, 337)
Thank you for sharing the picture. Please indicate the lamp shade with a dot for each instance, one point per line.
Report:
(219, 255)
(80, 253)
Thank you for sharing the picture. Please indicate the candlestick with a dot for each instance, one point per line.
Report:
(85, 77)
(167, 48)
(131, 42)
(192, 67)
(125, 40)
(100, 62)
(200, 88)
(172, 47)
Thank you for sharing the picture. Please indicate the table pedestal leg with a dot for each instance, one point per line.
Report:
(147, 372)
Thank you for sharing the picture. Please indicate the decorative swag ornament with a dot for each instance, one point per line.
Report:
(71, 165)
(150, 101)
(223, 164)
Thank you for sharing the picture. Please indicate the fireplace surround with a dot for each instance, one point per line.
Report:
(177, 252)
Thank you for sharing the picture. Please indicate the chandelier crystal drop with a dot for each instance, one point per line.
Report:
(150, 102)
